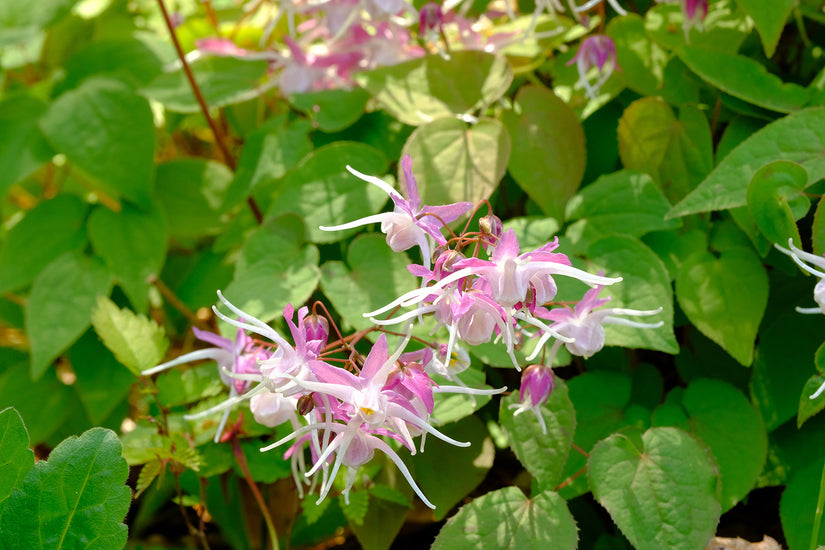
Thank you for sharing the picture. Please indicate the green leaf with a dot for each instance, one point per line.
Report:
(600, 400)
(450, 407)
(653, 140)
(781, 371)
(385, 492)
(724, 28)
(798, 506)
(430, 87)
(60, 305)
(809, 407)
(322, 192)
(268, 154)
(713, 407)
(45, 403)
(137, 342)
(772, 193)
(191, 192)
(725, 297)
(624, 202)
(548, 151)
(107, 131)
(744, 78)
(133, 245)
(453, 162)
(353, 291)
(76, 499)
(465, 467)
(799, 137)
(31, 16)
(222, 81)
(383, 519)
(543, 454)
(179, 387)
(769, 17)
(16, 459)
(48, 230)
(130, 58)
(645, 286)
(660, 491)
(266, 287)
(356, 509)
(506, 519)
(23, 149)
(332, 110)
(102, 383)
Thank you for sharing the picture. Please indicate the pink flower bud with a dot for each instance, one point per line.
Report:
(491, 229)
(537, 383)
(317, 329)
(430, 18)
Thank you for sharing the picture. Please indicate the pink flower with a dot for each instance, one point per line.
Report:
(409, 223)
(595, 51)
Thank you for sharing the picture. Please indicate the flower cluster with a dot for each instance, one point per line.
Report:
(344, 404)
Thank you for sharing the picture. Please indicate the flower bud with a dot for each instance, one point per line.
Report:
(317, 328)
(491, 229)
(537, 383)
(305, 404)
(430, 18)
(445, 263)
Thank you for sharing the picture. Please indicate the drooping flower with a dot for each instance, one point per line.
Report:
(584, 324)
(693, 14)
(595, 51)
(409, 223)
(537, 383)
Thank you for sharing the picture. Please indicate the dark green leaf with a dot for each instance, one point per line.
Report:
(799, 137)
(798, 506)
(744, 78)
(505, 519)
(353, 291)
(130, 58)
(645, 286)
(47, 231)
(769, 17)
(660, 491)
(332, 110)
(772, 193)
(542, 453)
(725, 297)
(623, 202)
(137, 342)
(23, 149)
(423, 89)
(133, 245)
(453, 162)
(107, 131)
(465, 467)
(356, 509)
(191, 192)
(44, 404)
(548, 152)
(16, 459)
(60, 305)
(102, 383)
(268, 154)
(76, 499)
(222, 81)
(322, 192)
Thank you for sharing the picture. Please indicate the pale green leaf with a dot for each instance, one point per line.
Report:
(137, 342)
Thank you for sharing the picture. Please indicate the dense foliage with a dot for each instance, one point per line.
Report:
(246, 245)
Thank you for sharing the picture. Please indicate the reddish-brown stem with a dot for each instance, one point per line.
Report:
(239, 456)
(220, 139)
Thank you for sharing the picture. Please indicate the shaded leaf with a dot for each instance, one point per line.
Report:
(60, 305)
(776, 201)
(23, 149)
(769, 17)
(108, 131)
(660, 490)
(16, 459)
(454, 162)
(102, 383)
(799, 137)
(548, 151)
